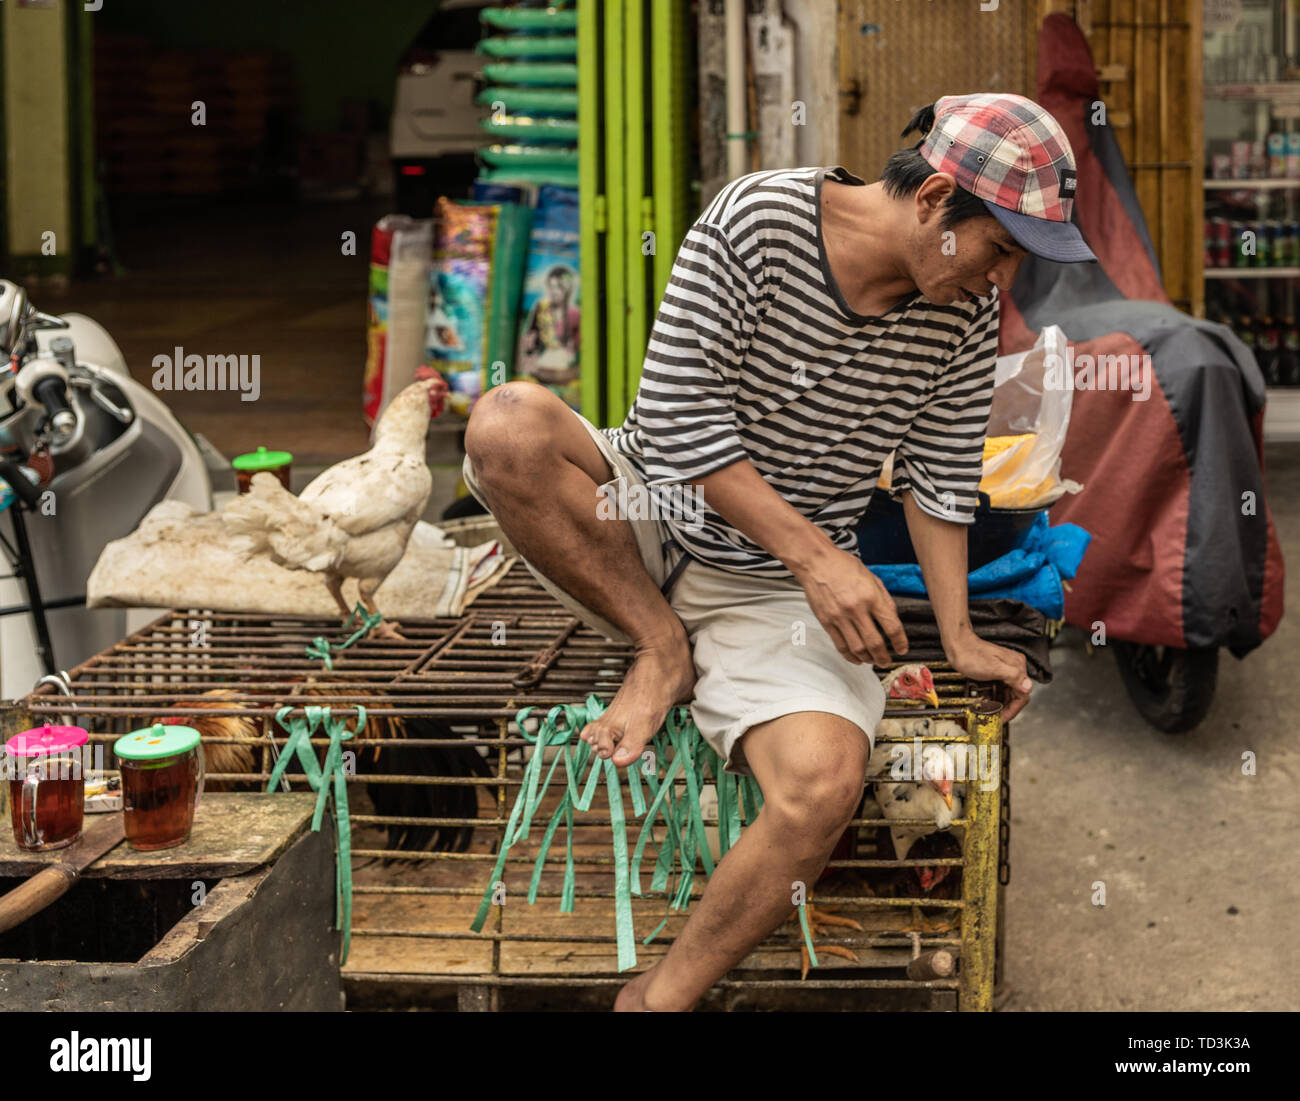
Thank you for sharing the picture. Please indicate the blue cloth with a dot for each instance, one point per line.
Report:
(1031, 572)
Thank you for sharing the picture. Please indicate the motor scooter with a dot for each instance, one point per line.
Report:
(85, 452)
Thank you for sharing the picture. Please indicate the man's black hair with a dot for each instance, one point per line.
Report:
(907, 170)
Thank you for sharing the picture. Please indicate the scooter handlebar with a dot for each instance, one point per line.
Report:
(52, 392)
(23, 489)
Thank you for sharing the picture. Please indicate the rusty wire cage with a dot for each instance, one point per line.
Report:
(516, 647)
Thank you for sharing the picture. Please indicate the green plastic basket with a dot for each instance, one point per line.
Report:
(535, 156)
(553, 46)
(546, 101)
(530, 19)
(545, 74)
(531, 176)
(524, 130)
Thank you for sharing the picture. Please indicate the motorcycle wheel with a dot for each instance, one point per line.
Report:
(1171, 688)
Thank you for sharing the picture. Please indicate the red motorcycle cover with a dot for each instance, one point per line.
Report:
(1184, 552)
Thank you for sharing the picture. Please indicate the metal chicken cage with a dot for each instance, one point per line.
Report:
(437, 772)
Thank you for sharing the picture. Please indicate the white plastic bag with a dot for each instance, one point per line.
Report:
(1031, 405)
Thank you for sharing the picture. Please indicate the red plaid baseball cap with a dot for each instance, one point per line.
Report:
(1010, 152)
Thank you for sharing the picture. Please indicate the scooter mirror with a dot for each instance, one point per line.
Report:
(13, 307)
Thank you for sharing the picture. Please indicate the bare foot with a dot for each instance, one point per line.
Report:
(660, 676)
(631, 999)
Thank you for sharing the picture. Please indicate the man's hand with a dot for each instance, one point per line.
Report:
(973, 657)
(854, 607)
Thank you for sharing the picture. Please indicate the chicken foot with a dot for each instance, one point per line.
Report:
(385, 628)
(919, 923)
(818, 921)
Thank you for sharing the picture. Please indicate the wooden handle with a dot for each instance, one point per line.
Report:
(54, 879)
(936, 964)
(37, 893)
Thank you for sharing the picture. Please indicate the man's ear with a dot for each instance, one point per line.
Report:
(932, 194)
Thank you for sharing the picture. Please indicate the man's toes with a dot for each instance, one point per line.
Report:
(627, 752)
(600, 738)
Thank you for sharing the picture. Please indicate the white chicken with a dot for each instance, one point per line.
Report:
(354, 519)
(927, 786)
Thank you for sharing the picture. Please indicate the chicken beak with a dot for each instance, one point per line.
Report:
(932, 698)
(944, 788)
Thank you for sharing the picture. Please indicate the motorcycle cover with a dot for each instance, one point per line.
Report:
(1184, 552)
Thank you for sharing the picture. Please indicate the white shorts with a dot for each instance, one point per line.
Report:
(759, 651)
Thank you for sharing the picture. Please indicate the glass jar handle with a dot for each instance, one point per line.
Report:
(198, 786)
(27, 815)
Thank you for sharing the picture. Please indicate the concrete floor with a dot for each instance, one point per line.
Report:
(1199, 862)
(261, 278)
(265, 279)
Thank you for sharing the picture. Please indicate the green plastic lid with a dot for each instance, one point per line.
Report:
(157, 741)
(261, 459)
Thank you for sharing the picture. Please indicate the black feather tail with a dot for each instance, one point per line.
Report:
(427, 800)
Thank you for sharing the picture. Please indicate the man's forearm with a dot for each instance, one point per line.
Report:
(941, 550)
(740, 495)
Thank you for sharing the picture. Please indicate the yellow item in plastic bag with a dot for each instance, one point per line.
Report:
(1004, 461)
(1007, 461)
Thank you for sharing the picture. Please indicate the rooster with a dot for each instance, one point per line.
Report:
(388, 800)
(354, 519)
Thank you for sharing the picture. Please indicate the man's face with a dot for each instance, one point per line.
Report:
(962, 262)
(556, 291)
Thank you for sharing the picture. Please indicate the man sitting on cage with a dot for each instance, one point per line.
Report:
(813, 324)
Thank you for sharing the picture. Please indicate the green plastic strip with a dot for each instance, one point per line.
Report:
(324, 778)
(321, 649)
(685, 837)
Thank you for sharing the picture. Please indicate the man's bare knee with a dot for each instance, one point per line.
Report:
(811, 769)
(509, 430)
(519, 432)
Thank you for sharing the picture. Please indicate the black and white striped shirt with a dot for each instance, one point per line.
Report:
(755, 354)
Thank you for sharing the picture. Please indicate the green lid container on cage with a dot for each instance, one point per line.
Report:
(155, 742)
(261, 459)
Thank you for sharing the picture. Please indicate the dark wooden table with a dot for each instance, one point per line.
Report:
(240, 917)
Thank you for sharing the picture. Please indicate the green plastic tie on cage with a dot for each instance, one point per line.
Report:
(739, 801)
(807, 935)
(322, 779)
(321, 649)
(529, 797)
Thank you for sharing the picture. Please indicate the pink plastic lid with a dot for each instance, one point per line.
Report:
(45, 739)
